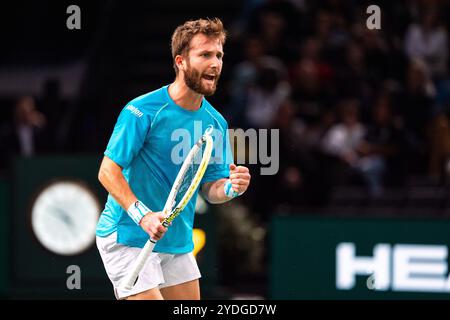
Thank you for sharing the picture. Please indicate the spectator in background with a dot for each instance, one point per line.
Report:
(352, 77)
(415, 104)
(365, 152)
(276, 22)
(244, 74)
(291, 175)
(377, 55)
(439, 165)
(310, 96)
(241, 24)
(323, 26)
(333, 32)
(303, 176)
(379, 151)
(428, 41)
(252, 81)
(244, 77)
(311, 50)
(23, 136)
(265, 98)
(343, 139)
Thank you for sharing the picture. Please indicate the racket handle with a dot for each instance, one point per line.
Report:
(129, 280)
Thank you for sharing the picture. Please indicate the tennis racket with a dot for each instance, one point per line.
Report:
(184, 187)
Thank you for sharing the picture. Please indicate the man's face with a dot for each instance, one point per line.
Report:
(203, 64)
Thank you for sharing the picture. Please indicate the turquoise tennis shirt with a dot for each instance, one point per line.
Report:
(150, 140)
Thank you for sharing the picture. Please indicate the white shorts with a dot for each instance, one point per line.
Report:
(161, 269)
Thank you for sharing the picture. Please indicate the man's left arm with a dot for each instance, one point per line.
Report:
(223, 190)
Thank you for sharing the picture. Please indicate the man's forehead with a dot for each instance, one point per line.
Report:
(203, 42)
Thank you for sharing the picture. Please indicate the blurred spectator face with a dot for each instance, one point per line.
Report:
(416, 77)
(26, 114)
(430, 19)
(292, 177)
(372, 39)
(24, 110)
(339, 21)
(355, 55)
(328, 119)
(253, 49)
(323, 23)
(285, 115)
(382, 111)
(311, 49)
(268, 79)
(272, 25)
(350, 112)
(307, 75)
(203, 64)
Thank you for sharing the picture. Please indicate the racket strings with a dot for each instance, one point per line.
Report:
(194, 164)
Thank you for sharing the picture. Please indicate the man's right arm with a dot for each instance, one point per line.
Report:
(111, 177)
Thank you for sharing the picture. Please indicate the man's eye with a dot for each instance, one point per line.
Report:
(206, 55)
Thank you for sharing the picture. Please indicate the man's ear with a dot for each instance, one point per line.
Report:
(180, 62)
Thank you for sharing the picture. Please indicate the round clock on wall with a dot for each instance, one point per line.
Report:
(64, 216)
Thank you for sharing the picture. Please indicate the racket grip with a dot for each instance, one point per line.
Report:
(129, 280)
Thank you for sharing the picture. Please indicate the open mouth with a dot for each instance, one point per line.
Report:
(209, 77)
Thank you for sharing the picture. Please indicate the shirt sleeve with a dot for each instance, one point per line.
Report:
(221, 158)
(128, 136)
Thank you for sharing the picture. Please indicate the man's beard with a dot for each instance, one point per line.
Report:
(193, 80)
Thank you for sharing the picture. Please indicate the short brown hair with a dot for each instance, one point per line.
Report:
(184, 33)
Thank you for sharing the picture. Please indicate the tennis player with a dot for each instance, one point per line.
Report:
(138, 170)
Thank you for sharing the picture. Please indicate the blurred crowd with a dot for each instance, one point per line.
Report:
(354, 106)
(34, 126)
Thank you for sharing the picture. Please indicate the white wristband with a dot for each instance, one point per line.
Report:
(137, 211)
(228, 190)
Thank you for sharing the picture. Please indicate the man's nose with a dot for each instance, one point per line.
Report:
(215, 64)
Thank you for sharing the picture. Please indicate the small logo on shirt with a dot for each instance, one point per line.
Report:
(135, 111)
